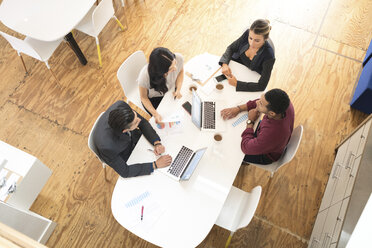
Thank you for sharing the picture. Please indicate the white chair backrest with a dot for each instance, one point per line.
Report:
(128, 74)
(249, 206)
(102, 15)
(91, 144)
(21, 46)
(292, 146)
(271, 44)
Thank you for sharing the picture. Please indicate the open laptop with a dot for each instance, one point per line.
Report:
(184, 163)
(206, 115)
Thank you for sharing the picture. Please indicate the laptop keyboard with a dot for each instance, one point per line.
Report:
(209, 120)
(180, 161)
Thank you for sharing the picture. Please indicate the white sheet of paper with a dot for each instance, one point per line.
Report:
(242, 73)
(209, 87)
(203, 66)
(151, 212)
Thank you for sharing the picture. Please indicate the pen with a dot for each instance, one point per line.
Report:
(142, 213)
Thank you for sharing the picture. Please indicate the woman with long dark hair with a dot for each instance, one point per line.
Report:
(164, 71)
(254, 51)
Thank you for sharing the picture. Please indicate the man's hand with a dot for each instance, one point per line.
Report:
(164, 161)
(229, 113)
(232, 80)
(159, 149)
(226, 70)
(253, 114)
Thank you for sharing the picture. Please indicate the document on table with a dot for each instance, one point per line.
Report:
(11, 180)
(203, 66)
(242, 73)
(146, 218)
(171, 124)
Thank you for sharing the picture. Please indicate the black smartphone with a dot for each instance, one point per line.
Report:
(220, 78)
(187, 107)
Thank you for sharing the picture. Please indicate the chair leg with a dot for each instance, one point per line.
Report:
(119, 23)
(122, 3)
(73, 35)
(99, 52)
(54, 75)
(23, 63)
(229, 240)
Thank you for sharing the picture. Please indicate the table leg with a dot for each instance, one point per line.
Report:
(74, 46)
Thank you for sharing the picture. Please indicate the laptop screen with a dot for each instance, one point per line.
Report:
(193, 163)
(196, 110)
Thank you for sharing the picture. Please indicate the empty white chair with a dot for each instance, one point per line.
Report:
(127, 75)
(96, 19)
(93, 147)
(37, 49)
(238, 210)
(288, 154)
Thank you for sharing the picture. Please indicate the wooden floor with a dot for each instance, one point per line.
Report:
(319, 48)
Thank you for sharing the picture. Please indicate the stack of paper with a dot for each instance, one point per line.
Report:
(145, 219)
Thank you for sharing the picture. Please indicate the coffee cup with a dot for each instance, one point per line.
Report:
(219, 87)
(193, 87)
(216, 147)
(217, 137)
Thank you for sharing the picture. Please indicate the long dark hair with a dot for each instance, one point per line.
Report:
(160, 61)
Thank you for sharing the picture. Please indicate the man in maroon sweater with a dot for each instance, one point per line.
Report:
(271, 137)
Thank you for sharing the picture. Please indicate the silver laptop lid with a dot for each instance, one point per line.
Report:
(193, 163)
(196, 110)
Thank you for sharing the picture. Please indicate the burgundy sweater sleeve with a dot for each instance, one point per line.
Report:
(251, 104)
(262, 144)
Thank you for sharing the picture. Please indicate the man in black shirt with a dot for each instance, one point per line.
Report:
(117, 133)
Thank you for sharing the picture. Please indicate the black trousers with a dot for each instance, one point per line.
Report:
(155, 101)
(257, 159)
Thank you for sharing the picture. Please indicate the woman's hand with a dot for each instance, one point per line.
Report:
(177, 94)
(158, 118)
(226, 70)
(232, 80)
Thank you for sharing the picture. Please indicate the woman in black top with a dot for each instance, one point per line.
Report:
(252, 50)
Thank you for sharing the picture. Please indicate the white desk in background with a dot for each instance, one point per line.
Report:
(46, 20)
(181, 214)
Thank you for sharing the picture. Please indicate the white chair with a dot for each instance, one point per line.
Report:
(37, 49)
(288, 154)
(127, 75)
(96, 19)
(271, 43)
(93, 147)
(238, 210)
